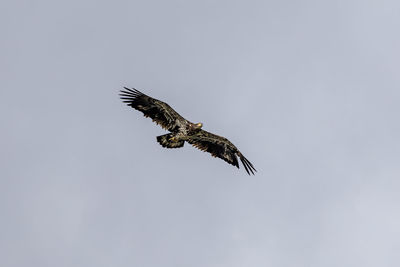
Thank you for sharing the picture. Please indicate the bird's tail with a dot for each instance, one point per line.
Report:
(165, 141)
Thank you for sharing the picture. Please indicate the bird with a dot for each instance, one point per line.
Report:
(182, 130)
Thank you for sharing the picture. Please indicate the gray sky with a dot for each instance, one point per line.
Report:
(307, 90)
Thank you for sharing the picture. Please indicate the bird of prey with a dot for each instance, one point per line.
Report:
(182, 130)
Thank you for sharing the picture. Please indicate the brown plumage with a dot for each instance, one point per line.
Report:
(182, 130)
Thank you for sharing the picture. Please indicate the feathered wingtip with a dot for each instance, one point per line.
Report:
(247, 165)
(129, 95)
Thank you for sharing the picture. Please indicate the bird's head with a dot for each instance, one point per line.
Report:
(198, 125)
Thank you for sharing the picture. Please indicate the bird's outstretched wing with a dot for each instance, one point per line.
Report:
(220, 147)
(160, 112)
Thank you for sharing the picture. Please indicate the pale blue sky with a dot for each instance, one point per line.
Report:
(308, 91)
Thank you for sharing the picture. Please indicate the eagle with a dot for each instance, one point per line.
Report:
(182, 130)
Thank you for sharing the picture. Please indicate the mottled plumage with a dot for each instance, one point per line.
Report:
(182, 130)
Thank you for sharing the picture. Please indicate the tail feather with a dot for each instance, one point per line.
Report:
(165, 141)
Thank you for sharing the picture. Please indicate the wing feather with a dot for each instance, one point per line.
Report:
(220, 147)
(160, 112)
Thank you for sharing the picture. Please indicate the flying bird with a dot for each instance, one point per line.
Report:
(182, 130)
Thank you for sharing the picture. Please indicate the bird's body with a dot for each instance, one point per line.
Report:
(182, 130)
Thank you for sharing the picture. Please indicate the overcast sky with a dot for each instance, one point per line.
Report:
(307, 90)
